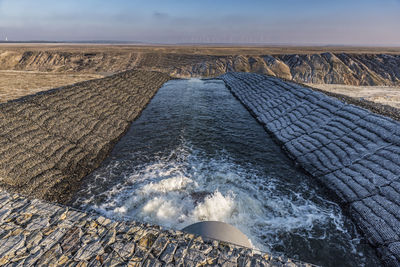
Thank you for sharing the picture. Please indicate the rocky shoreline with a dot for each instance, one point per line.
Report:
(38, 233)
(352, 151)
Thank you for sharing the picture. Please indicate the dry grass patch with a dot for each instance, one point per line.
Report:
(386, 95)
(15, 84)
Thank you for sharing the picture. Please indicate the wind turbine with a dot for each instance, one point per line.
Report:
(6, 39)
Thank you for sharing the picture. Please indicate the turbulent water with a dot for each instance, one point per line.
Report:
(197, 154)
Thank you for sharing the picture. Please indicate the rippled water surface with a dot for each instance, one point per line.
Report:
(197, 154)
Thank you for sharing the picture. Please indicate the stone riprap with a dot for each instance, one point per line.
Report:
(38, 233)
(352, 151)
(51, 140)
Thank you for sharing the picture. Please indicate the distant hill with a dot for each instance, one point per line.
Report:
(72, 42)
(305, 65)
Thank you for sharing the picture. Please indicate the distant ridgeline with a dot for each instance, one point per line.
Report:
(352, 151)
(335, 68)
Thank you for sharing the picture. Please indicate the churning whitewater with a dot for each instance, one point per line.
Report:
(196, 154)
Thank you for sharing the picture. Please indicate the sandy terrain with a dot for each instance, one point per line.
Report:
(386, 95)
(216, 50)
(15, 84)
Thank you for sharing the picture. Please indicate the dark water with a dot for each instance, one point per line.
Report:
(197, 154)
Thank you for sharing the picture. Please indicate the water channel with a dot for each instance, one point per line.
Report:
(197, 154)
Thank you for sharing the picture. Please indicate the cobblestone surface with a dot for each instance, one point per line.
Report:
(354, 152)
(50, 141)
(38, 233)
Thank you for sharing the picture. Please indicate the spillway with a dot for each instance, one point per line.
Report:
(196, 154)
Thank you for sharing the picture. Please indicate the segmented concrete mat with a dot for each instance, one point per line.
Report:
(50, 141)
(352, 151)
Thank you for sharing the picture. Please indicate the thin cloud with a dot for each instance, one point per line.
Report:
(160, 15)
(286, 21)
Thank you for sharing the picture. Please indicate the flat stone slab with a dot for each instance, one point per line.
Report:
(352, 151)
(35, 232)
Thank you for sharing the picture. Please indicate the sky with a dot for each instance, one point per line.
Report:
(289, 22)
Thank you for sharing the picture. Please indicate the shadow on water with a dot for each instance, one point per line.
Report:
(197, 154)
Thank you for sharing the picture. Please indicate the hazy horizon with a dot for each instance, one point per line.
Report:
(287, 22)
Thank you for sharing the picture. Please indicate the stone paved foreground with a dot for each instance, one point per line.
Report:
(352, 151)
(50, 141)
(37, 233)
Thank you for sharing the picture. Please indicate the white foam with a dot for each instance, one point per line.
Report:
(215, 207)
(195, 80)
(192, 188)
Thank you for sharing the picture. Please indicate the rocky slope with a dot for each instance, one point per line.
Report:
(37, 233)
(327, 67)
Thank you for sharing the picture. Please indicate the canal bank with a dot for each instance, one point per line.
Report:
(51, 140)
(352, 151)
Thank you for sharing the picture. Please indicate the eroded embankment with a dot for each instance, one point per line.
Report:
(304, 67)
(352, 151)
(50, 141)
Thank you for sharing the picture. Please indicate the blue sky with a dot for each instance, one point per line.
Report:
(348, 22)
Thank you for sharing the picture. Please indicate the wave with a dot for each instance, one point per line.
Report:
(188, 186)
